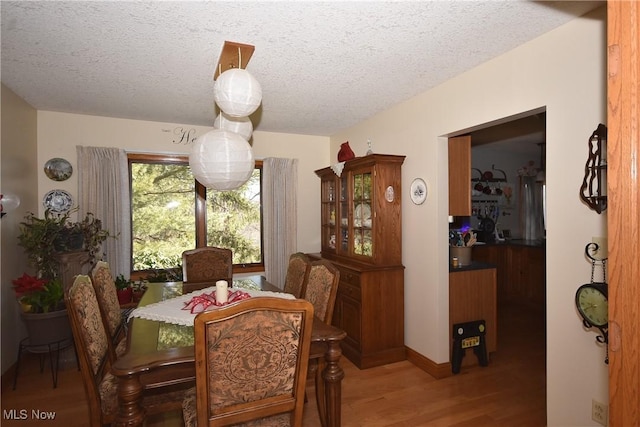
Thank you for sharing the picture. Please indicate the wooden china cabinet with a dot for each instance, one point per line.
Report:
(361, 226)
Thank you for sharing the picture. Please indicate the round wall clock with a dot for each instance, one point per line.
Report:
(418, 191)
(58, 169)
(592, 304)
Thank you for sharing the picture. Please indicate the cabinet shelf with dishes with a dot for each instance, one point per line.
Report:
(361, 234)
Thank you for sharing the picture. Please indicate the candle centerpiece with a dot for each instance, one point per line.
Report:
(222, 291)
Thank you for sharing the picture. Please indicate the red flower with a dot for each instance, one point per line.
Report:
(26, 284)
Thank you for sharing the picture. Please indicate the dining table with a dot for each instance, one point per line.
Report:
(160, 353)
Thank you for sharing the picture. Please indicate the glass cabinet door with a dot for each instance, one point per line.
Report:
(362, 213)
(343, 226)
(328, 214)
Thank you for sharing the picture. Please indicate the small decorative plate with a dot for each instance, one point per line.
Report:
(58, 169)
(57, 201)
(418, 191)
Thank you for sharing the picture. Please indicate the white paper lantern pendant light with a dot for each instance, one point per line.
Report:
(237, 93)
(240, 125)
(221, 160)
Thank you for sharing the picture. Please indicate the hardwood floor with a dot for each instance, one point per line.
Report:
(511, 391)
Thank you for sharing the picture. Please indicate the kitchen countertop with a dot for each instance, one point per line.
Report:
(539, 243)
(473, 266)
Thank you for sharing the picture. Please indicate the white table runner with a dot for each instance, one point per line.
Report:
(171, 310)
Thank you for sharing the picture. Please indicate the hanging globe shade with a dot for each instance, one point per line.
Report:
(221, 160)
(240, 125)
(237, 93)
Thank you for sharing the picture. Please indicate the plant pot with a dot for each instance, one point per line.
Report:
(125, 295)
(46, 328)
(69, 241)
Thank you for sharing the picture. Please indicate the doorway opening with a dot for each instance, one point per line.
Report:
(508, 165)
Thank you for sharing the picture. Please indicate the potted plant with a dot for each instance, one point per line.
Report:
(42, 238)
(43, 309)
(124, 289)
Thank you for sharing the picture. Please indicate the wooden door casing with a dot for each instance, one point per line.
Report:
(623, 217)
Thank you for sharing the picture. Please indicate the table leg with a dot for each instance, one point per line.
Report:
(332, 376)
(130, 411)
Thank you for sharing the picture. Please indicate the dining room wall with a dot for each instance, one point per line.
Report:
(565, 71)
(60, 133)
(17, 176)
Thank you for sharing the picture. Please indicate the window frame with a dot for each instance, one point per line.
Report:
(200, 208)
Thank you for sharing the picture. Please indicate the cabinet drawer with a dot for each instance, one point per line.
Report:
(349, 290)
(349, 276)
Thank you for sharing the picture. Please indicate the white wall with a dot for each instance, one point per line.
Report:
(60, 133)
(564, 71)
(18, 176)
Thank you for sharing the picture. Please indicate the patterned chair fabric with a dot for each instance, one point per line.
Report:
(296, 274)
(105, 288)
(321, 288)
(92, 345)
(207, 265)
(251, 364)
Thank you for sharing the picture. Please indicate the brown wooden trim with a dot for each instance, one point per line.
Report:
(436, 370)
(623, 188)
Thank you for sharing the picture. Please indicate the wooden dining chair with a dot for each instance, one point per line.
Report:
(110, 311)
(92, 347)
(251, 364)
(296, 274)
(321, 288)
(202, 267)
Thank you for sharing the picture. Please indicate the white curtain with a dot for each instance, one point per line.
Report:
(280, 205)
(103, 189)
(531, 213)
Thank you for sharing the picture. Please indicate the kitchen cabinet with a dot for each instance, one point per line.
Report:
(361, 234)
(472, 296)
(521, 272)
(460, 176)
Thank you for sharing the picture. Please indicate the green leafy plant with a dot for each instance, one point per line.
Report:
(39, 295)
(42, 238)
(122, 283)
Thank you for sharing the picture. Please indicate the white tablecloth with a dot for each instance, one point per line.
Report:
(171, 310)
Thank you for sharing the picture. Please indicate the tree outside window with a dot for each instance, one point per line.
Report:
(172, 212)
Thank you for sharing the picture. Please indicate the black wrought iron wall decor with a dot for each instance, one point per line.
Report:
(594, 185)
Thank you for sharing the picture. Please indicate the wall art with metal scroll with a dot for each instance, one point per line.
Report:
(594, 185)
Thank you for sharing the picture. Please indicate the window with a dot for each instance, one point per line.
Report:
(172, 212)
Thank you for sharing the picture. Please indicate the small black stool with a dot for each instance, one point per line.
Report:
(52, 348)
(469, 335)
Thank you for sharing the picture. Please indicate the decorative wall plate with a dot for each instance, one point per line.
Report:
(58, 169)
(389, 194)
(418, 191)
(57, 201)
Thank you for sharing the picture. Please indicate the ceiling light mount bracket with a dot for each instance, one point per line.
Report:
(233, 55)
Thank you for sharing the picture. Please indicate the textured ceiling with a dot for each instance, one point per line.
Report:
(323, 66)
